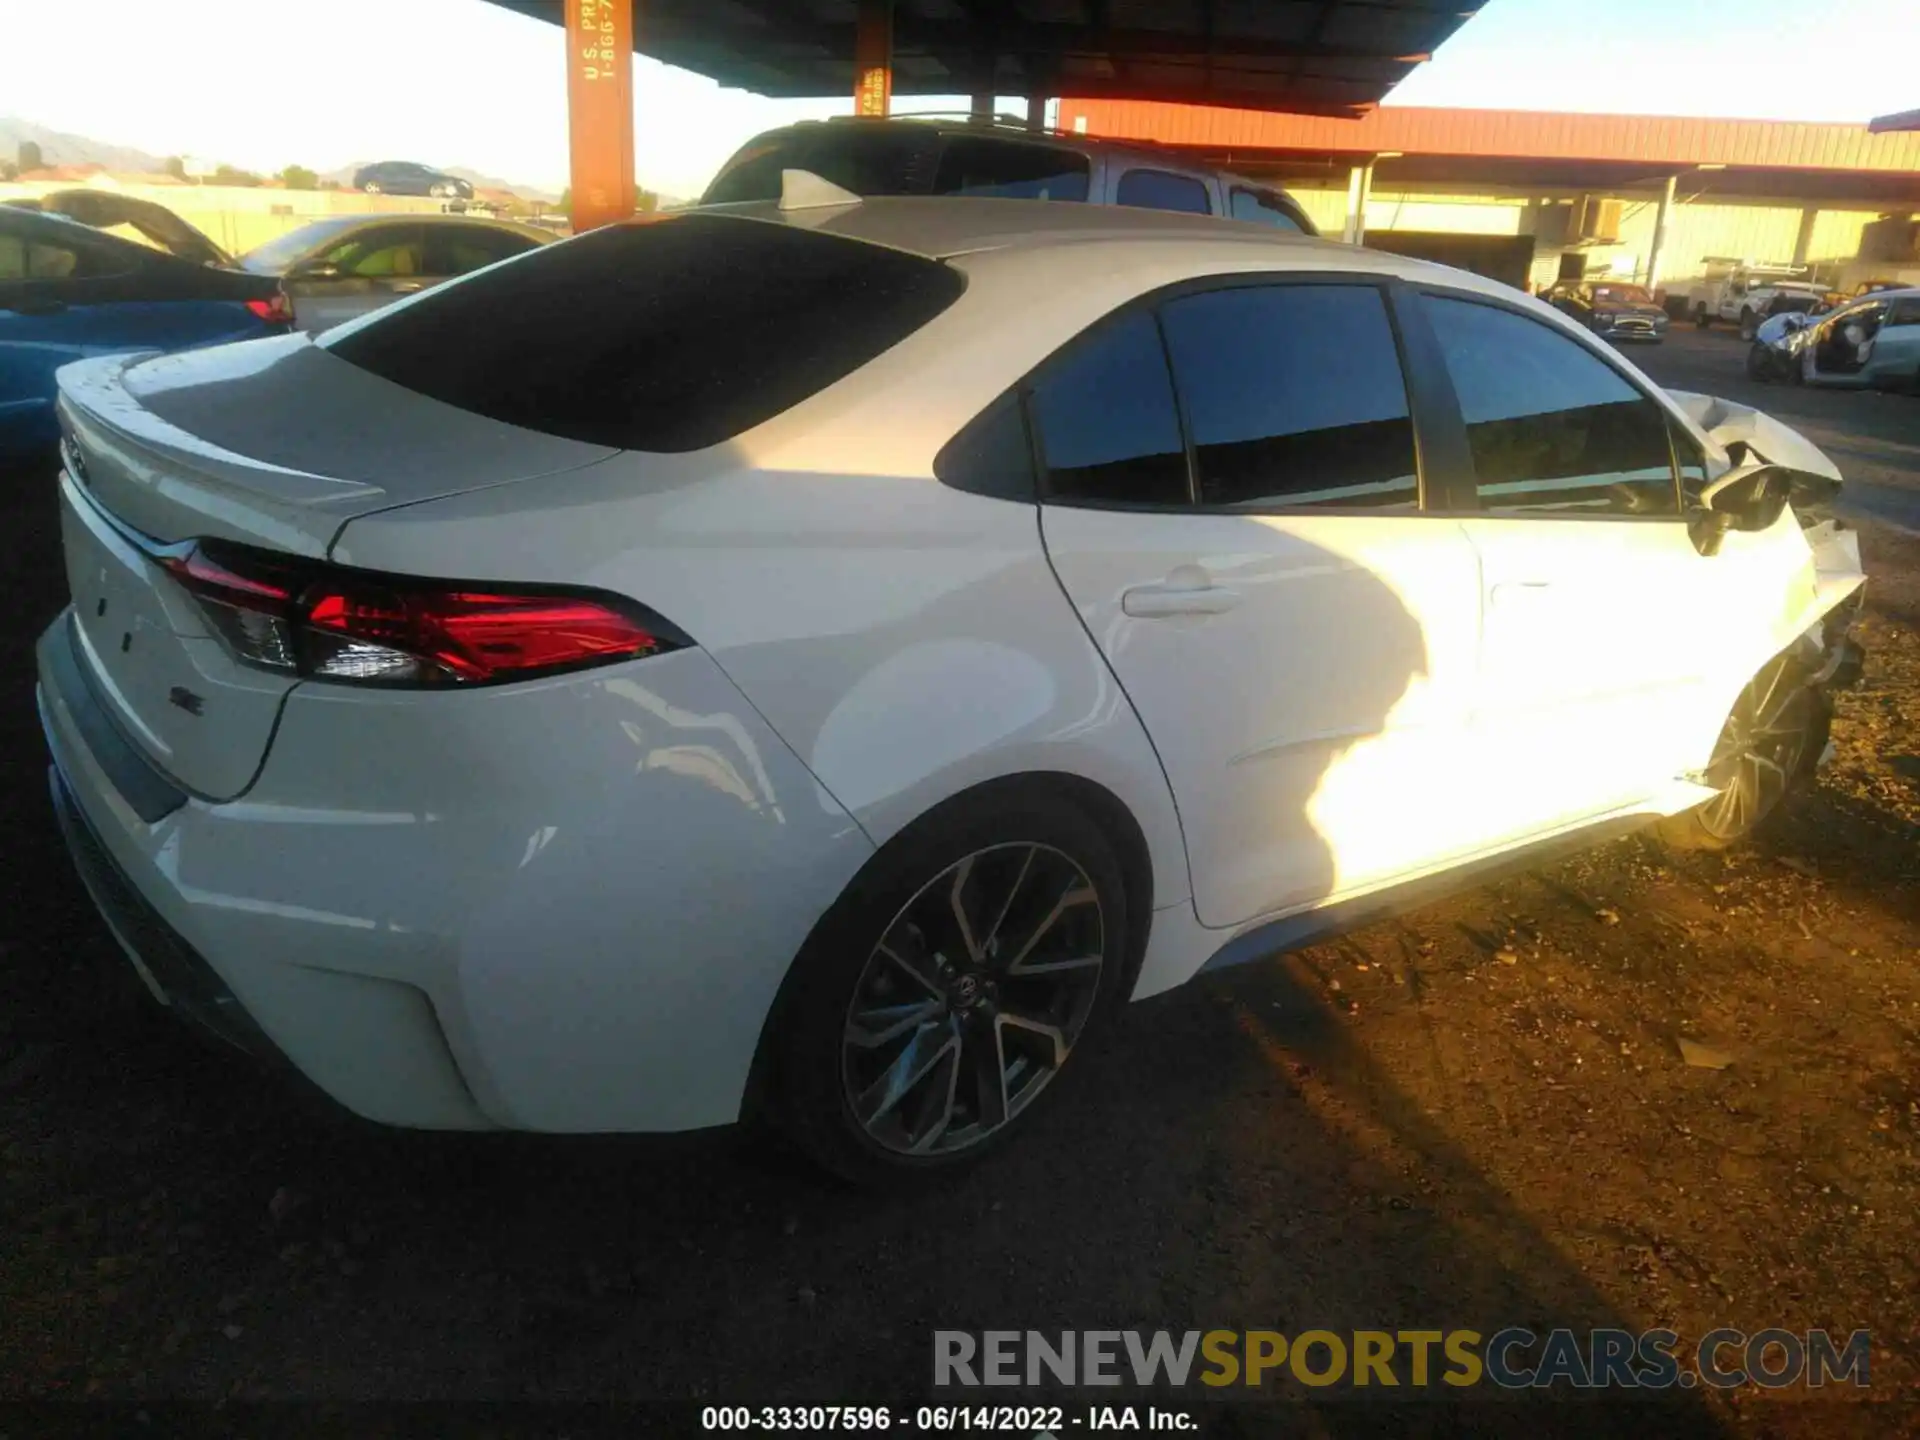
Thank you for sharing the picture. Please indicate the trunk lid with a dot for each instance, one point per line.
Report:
(274, 444)
(277, 442)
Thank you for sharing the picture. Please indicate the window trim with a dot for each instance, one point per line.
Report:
(1280, 199)
(1424, 398)
(1465, 489)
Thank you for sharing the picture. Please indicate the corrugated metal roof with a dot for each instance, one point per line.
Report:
(1325, 57)
(1520, 134)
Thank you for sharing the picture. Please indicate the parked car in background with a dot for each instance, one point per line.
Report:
(342, 267)
(909, 156)
(404, 177)
(1612, 309)
(820, 664)
(141, 221)
(1871, 342)
(1747, 294)
(69, 292)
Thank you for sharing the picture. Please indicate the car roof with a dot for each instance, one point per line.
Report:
(1017, 134)
(946, 226)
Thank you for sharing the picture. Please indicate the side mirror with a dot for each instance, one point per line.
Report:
(316, 270)
(1751, 497)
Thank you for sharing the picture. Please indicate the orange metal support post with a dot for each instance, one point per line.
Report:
(873, 59)
(600, 110)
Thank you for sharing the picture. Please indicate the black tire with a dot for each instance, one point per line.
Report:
(1759, 362)
(1749, 322)
(1767, 750)
(819, 1061)
(1701, 319)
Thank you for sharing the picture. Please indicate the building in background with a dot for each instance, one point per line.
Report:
(1531, 197)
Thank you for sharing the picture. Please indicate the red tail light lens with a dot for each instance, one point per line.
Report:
(335, 624)
(275, 311)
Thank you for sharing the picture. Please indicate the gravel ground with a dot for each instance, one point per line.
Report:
(1476, 1115)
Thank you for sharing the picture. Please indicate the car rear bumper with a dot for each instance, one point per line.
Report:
(562, 906)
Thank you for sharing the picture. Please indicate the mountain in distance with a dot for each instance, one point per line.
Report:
(59, 148)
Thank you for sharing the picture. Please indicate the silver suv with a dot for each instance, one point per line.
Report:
(927, 156)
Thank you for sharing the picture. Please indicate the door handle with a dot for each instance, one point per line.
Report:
(1509, 592)
(1151, 602)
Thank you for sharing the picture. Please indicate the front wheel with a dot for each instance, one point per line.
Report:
(1770, 743)
(1759, 362)
(947, 990)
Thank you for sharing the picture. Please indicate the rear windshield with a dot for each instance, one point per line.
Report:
(671, 335)
(904, 159)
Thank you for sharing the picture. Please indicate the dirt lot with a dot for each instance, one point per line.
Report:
(1478, 1115)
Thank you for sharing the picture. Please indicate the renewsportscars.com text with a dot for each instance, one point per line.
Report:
(1513, 1358)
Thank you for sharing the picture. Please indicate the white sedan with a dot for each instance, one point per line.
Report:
(819, 659)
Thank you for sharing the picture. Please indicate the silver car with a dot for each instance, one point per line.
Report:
(1873, 341)
(340, 268)
(909, 155)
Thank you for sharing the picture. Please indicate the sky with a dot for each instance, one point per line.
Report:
(462, 82)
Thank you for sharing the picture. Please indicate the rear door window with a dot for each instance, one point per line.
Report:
(866, 159)
(1108, 426)
(1163, 190)
(1262, 209)
(1011, 170)
(671, 335)
(1294, 397)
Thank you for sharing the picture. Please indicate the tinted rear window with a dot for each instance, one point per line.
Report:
(878, 160)
(669, 336)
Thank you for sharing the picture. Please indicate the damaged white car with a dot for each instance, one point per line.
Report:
(819, 659)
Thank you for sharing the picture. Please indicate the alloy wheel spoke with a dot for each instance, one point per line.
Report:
(930, 1045)
(1013, 890)
(919, 970)
(1046, 1029)
(957, 902)
(880, 1024)
(934, 1126)
(1077, 893)
(989, 1067)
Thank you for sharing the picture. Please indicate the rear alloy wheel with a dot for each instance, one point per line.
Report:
(1768, 744)
(946, 994)
(372, 187)
(1701, 319)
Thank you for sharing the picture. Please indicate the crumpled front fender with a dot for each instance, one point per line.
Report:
(1728, 423)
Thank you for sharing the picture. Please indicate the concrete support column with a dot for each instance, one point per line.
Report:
(1359, 189)
(873, 58)
(1662, 218)
(1803, 240)
(1037, 110)
(600, 111)
(981, 111)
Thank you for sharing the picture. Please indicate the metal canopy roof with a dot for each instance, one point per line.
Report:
(1316, 57)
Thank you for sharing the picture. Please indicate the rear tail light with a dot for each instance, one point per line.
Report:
(330, 623)
(276, 310)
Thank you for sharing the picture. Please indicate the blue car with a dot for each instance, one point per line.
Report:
(68, 292)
